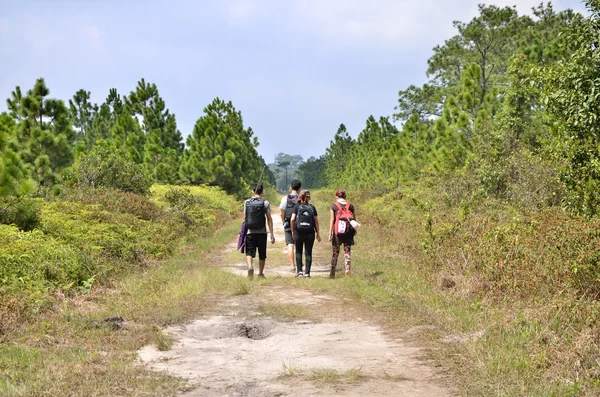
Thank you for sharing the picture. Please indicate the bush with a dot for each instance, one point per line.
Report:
(116, 201)
(109, 237)
(102, 167)
(23, 213)
(36, 263)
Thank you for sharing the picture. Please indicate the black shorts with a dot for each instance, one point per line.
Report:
(288, 237)
(254, 242)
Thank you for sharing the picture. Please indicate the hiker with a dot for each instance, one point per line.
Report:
(256, 210)
(305, 223)
(341, 232)
(287, 207)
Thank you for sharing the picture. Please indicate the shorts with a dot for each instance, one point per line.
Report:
(254, 242)
(288, 237)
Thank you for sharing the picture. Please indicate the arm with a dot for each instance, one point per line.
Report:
(292, 222)
(282, 211)
(331, 220)
(317, 228)
(270, 222)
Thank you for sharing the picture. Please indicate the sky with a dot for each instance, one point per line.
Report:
(296, 69)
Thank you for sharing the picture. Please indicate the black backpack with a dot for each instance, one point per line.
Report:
(305, 219)
(255, 213)
(290, 207)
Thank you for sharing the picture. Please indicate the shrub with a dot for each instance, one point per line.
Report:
(36, 263)
(23, 213)
(102, 167)
(116, 201)
(109, 238)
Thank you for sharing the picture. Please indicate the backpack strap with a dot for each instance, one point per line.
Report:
(338, 205)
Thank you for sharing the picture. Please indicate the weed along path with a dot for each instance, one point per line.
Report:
(280, 338)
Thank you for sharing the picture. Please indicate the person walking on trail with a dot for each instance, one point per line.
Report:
(305, 224)
(341, 232)
(257, 214)
(287, 207)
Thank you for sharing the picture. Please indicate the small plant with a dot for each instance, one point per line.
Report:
(288, 369)
(163, 341)
(85, 286)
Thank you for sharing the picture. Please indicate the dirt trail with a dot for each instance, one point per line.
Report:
(242, 352)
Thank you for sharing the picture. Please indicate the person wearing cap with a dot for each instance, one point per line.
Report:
(305, 226)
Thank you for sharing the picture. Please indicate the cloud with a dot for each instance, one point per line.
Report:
(390, 23)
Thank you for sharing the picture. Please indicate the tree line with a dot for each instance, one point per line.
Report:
(127, 142)
(511, 106)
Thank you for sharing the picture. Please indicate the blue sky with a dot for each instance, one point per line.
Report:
(296, 69)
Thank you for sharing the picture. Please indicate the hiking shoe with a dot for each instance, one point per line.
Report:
(250, 273)
(307, 275)
(261, 276)
(347, 272)
(298, 274)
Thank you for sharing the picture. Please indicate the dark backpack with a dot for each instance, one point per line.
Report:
(255, 213)
(290, 207)
(343, 216)
(305, 219)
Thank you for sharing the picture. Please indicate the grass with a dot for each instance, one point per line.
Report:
(330, 377)
(283, 312)
(288, 370)
(71, 349)
(536, 346)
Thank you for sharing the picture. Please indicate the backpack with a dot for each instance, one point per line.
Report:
(292, 202)
(255, 213)
(343, 217)
(305, 219)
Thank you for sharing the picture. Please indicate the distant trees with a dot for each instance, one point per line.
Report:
(127, 142)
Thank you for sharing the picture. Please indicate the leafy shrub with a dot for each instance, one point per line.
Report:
(102, 167)
(23, 213)
(198, 207)
(36, 263)
(116, 201)
(108, 236)
(500, 250)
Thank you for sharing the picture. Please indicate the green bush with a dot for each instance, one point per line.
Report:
(108, 237)
(102, 167)
(116, 201)
(34, 262)
(24, 213)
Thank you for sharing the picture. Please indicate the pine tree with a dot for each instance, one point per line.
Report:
(220, 151)
(43, 132)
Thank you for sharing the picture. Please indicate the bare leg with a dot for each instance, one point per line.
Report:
(261, 266)
(290, 250)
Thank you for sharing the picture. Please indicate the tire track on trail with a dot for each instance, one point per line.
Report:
(322, 348)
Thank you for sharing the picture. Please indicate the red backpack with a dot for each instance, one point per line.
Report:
(343, 217)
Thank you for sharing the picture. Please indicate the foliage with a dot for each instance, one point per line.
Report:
(312, 173)
(35, 263)
(571, 92)
(221, 152)
(102, 167)
(44, 137)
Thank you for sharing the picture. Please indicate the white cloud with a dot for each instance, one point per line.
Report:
(391, 23)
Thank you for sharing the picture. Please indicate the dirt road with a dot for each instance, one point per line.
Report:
(285, 340)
